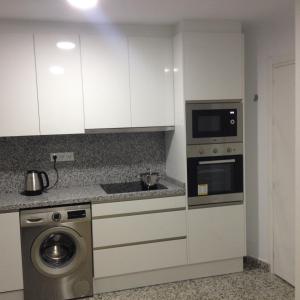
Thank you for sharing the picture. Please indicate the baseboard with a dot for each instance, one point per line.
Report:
(251, 263)
(186, 272)
(15, 295)
(154, 277)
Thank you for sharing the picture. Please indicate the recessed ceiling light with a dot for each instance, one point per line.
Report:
(57, 70)
(83, 4)
(65, 45)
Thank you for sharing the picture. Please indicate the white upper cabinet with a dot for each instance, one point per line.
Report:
(59, 83)
(18, 96)
(105, 70)
(151, 81)
(213, 67)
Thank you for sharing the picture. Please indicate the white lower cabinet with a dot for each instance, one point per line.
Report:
(140, 235)
(138, 228)
(11, 276)
(138, 258)
(216, 233)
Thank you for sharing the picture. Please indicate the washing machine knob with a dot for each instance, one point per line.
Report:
(56, 217)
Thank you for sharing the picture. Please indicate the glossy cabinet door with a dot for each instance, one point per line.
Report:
(151, 81)
(18, 104)
(11, 274)
(105, 69)
(59, 84)
(216, 233)
(213, 66)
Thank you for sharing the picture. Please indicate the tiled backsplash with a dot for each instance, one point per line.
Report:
(99, 158)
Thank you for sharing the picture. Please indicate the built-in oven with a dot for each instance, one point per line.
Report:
(215, 174)
(214, 122)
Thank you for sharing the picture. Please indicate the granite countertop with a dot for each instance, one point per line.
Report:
(74, 195)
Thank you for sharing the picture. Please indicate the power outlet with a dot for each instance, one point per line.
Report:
(63, 156)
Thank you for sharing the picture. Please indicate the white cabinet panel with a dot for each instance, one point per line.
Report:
(131, 259)
(138, 228)
(151, 81)
(213, 66)
(216, 233)
(105, 69)
(11, 276)
(59, 85)
(137, 206)
(18, 105)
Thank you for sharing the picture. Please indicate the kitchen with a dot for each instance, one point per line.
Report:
(106, 105)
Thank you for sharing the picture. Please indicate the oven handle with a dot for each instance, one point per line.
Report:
(211, 162)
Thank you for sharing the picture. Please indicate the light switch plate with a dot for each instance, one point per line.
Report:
(63, 156)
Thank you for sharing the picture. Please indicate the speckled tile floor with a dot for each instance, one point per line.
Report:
(249, 285)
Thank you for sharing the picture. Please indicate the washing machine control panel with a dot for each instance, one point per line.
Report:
(76, 214)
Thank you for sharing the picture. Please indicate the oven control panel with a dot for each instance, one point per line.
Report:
(214, 150)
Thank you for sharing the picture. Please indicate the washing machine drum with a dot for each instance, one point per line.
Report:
(58, 252)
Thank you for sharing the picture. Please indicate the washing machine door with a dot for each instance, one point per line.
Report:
(58, 252)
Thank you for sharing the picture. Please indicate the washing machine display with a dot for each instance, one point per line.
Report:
(57, 253)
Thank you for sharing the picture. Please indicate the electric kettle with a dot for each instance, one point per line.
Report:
(34, 183)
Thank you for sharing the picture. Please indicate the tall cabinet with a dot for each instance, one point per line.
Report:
(18, 104)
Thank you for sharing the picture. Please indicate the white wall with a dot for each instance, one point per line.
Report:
(264, 44)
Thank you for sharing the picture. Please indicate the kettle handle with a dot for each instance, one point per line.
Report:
(47, 179)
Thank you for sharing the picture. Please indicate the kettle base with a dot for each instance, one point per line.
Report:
(31, 193)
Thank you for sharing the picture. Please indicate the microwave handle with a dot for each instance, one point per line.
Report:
(212, 162)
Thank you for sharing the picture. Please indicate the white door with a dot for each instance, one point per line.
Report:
(59, 83)
(105, 71)
(18, 104)
(283, 145)
(151, 81)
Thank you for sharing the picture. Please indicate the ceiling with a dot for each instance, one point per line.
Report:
(149, 11)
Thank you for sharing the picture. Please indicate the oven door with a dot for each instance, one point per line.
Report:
(215, 180)
(214, 123)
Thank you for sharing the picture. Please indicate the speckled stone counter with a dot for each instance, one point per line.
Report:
(74, 195)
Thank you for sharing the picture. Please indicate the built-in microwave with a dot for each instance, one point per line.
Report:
(215, 174)
(214, 122)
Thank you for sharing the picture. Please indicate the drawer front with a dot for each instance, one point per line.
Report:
(135, 206)
(138, 228)
(138, 258)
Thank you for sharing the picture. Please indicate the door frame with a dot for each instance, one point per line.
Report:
(273, 63)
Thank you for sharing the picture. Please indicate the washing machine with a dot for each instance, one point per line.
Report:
(57, 252)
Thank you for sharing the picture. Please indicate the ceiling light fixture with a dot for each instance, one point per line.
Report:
(83, 4)
(65, 45)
